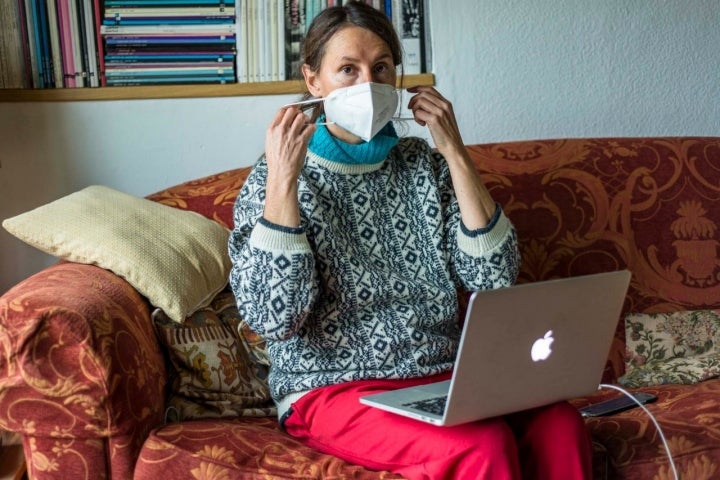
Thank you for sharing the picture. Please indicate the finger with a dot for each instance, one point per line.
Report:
(427, 99)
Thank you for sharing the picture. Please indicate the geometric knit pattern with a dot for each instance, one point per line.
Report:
(367, 287)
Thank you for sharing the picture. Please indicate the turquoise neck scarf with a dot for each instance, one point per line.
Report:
(375, 151)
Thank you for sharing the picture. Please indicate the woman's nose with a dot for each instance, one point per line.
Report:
(366, 75)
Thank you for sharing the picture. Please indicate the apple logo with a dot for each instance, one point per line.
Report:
(541, 348)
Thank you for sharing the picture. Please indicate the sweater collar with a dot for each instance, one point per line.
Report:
(374, 152)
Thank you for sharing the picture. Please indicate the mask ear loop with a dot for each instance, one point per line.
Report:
(398, 117)
(309, 102)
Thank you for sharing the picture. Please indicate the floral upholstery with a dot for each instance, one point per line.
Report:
(217, 366)
(82, 376)
(675, 347)
(247, 448)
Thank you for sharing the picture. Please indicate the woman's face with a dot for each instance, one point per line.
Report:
(353, 55)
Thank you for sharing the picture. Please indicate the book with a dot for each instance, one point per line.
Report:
(41, 44)
(241, 46)
(222, 11)
(163, 3)
(76, 48)
(409, 22)
(182, 20)
(427, 39)
(55, 44)
(99, 44)
(294, 34)
(182, 80)
(162, 29)
(84, 71)
(12, 49)
(67, 59)
(116, 40)
(166, 57)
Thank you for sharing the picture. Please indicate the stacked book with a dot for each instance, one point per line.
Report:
(48, 44)
(162, 42)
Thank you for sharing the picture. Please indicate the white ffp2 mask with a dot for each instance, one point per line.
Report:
(362, 109)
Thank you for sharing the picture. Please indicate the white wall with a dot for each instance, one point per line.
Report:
(514, 69)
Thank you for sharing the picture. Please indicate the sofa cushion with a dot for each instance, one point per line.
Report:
(218, 366)
(212, 196)
(238, 448)
(680, 347)
(687, 418)
(178, 260)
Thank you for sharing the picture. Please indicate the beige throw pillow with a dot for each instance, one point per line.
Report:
(177, 259)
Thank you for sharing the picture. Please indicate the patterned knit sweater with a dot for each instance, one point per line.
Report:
(366, 288)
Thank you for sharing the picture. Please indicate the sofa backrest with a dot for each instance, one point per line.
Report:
(651, 205)
(580, 206)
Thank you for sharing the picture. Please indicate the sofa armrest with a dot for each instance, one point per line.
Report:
(79, 359)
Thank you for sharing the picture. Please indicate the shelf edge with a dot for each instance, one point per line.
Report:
(173, 91)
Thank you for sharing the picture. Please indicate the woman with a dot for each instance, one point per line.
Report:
(347, 256)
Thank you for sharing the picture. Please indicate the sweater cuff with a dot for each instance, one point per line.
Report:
(268, 236)
(478, 242)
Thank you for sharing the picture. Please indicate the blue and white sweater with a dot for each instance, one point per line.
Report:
(366, 288)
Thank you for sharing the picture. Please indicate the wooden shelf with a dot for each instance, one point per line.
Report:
(172, 91)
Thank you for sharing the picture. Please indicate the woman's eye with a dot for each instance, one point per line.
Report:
(347, 69)
(382, 68)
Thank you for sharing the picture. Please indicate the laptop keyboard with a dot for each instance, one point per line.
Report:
(434, 405)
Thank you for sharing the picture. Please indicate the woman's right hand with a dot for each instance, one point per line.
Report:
(286, 142)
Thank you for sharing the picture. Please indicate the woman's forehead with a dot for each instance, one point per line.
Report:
(355, 43)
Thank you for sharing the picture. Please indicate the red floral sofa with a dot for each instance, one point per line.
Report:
(86, 378)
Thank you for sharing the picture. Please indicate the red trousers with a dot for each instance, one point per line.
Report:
(543, 443)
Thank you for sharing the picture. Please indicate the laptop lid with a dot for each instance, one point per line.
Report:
(534, 344)
(527, 346)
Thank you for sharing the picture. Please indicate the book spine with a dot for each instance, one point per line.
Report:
(99, 44)
(68, 67)
(75, 44)
(241, 43)
(36, 44)
(161, 29)
(280, 9)
(84, 71)
(92, 59)
(294, 33)
(12, 40)
(410, 30)
(169, 11)
(427, 38)
(55, 48)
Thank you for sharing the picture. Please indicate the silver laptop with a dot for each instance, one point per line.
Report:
(522, 347)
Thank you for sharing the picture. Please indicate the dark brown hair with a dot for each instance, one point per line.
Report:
(333, 19)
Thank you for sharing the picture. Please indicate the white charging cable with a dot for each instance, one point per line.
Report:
(662, 435)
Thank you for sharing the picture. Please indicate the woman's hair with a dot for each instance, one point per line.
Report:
(333, 19)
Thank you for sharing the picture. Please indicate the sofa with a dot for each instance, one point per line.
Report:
(101, 384)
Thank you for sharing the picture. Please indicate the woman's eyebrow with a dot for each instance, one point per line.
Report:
(347, 58)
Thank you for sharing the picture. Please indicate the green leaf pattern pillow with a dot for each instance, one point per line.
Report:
(663, 348)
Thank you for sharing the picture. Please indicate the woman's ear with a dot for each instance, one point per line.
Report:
(311, 80)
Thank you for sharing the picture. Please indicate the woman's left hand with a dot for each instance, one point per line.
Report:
(434, 111)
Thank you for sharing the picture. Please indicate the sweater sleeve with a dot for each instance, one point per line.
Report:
(481, 259)
(273, 273)
(487, 258)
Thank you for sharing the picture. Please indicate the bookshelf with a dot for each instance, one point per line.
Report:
(173, 91)
(173, 48)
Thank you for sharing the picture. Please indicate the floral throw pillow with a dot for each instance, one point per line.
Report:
(218, 367)
(680, 347)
